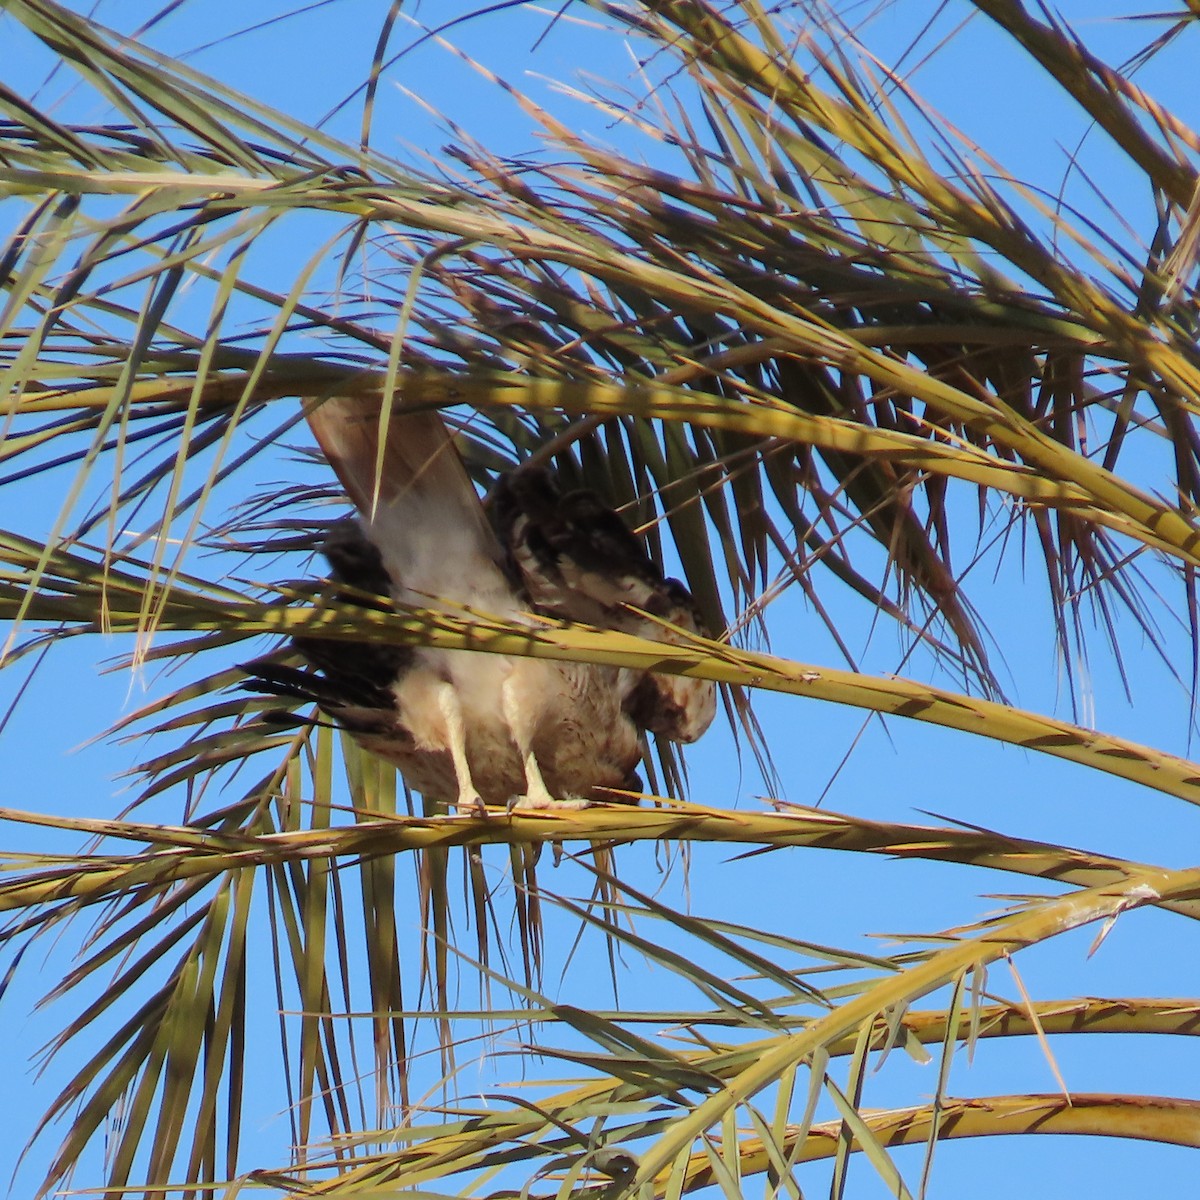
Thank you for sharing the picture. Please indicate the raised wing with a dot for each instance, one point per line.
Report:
(416, 503)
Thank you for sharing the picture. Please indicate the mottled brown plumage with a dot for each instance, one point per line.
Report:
(483, 729)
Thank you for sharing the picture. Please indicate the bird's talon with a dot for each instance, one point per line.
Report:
(535, 803)
(471, 805)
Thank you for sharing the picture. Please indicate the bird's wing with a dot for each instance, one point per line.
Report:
(416, 503)
(574, 556)
(577, 560)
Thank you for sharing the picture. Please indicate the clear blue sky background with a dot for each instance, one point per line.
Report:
(307, 67)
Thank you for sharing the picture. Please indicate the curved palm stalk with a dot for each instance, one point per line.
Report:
(1171, 1120)
(198, 852)
(228, 621)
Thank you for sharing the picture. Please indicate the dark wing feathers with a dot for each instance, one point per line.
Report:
(355, 678)
(577, 560)
(355, 561)
(573, 555)
(364, 671)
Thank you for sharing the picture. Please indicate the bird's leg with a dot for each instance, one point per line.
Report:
(469, 799)
(516, 716)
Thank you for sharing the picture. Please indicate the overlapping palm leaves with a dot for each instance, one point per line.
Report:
(803, 343)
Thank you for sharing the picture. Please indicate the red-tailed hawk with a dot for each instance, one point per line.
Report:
(478, 729)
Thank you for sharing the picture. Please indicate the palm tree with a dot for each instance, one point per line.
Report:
(809, 339)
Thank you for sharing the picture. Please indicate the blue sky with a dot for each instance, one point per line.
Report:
(307, 67)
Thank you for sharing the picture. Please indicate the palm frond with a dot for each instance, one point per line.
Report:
(805, 334)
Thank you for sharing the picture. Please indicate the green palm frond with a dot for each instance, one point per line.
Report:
(809, 338)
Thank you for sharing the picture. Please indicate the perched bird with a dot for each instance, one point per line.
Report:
(476, 729)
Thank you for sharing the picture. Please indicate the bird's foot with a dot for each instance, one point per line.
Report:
(471, 804)
(543, 801)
